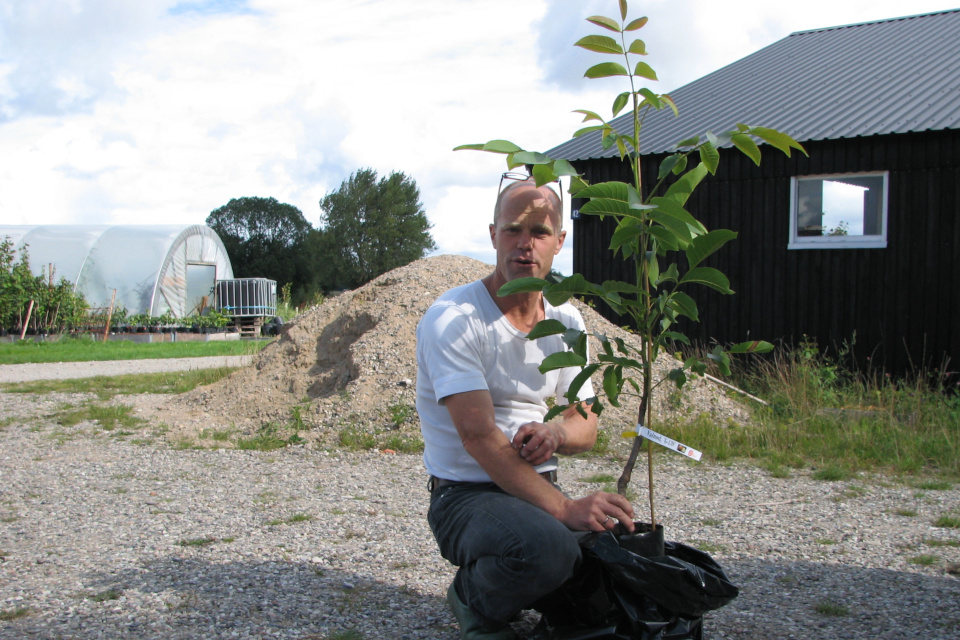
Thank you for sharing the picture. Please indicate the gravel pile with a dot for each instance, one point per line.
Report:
(351, 362)
(105, 535)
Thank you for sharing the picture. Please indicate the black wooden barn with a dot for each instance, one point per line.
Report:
(860, 238)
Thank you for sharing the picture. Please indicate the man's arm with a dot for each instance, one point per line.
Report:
(538, 441)
(473, 415)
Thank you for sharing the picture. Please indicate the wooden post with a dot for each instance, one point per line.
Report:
(106, 329)
(26, 322)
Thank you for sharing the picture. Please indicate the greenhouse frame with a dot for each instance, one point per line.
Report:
(155, 269)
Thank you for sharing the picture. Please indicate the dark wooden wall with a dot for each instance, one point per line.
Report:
(902, 302)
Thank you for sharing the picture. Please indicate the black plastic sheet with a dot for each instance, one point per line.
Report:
(635, 587)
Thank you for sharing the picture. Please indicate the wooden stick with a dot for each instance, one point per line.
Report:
(733, 388)
(26, 322)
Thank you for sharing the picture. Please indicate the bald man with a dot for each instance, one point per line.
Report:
(495, 509)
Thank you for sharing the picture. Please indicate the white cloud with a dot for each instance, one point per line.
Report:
(160, 111)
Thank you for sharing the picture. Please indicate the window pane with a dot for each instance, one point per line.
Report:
(840, 206)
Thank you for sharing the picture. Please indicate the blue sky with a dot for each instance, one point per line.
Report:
(159, 111)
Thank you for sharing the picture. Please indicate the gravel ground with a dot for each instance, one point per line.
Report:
(71, 370)
(112, 535)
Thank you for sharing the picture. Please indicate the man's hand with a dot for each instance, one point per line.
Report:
(598, 512)
(537, 441)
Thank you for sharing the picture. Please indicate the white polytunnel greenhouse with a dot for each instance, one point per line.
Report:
(155, 269)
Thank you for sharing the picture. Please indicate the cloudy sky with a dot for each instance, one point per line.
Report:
(159, 111)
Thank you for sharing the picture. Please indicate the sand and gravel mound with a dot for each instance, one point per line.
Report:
(350, 363)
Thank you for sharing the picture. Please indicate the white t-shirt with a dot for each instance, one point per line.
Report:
(464, 343)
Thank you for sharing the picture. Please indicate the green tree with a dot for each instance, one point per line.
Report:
(266, 239)
(370, 226)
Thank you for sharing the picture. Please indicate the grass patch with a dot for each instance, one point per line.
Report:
(87, 350)
(106, 387)
(196, 542)
(7, 615)
(924, 560)
(269, 437)
(932, 542)
(947, 522)
(599, 478)
(109, 417)
(402, 443)
(104, 596)
(827, 608)
(822, 414)
(294, 519)
(906, 513)
(933, 485)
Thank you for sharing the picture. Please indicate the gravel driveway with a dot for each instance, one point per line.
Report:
(105, 534)
(70, 370)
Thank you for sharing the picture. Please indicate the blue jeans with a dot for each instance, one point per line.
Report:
(510, 553)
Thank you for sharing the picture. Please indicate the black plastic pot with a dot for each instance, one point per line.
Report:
(635, 587)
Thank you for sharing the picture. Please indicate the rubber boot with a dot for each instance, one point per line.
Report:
(469, 624)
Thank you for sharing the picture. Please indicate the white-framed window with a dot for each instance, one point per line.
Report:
(839, 211)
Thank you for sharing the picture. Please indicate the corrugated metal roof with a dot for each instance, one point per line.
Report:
(892, 76)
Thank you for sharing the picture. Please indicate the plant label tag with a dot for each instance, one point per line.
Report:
(664, 441)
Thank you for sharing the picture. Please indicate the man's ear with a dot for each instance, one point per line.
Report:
(493, 236)
(560, 238)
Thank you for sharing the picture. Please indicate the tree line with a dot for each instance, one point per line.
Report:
(368, 226)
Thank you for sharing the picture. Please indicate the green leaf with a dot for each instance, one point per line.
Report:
(667, 165)
(689, 142)
(469, 147)
(651, 98)
(522, 285)
(625, 235)
(746, 144)
(623, 9)
(589, 115)
(673, 208)
(777, 139)
(621, 147)
(644, 71)
(721, 359)
(638, 47)
(710, 157)
(577, 383)
(636, 24)
(543, 173)
(628, 434)
(613, 190)
(680, 190)
(530, 157)
(585, 130)
(501, 146)
(561, 360)
(606, 23)
(544, 328)
(605, 207)
(751, 346)
(620, 102)
(563, 167)
(612, 382)
(599, 44)
(707, 244)
(667, 239)
(685, 305)
(605, 70)
(555, 410)
(673, 105)
(673, 336)
(575, 285)
(707, 276)
(681, 166)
